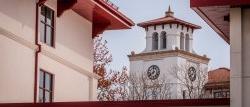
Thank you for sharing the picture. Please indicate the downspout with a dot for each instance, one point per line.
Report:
(38, 50)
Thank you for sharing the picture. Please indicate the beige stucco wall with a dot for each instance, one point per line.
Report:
(16, 58)
(71, 60)
(69, 85)
(16, 71)
(18, 17)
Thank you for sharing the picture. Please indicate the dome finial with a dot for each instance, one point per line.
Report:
(169, 12)
(169, 8)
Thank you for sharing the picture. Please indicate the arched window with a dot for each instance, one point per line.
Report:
(155, 41)
(163, 40)
(182, 41)
(187, 43)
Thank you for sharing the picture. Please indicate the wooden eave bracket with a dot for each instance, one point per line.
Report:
(99, 28)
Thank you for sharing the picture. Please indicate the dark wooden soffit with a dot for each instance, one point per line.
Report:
(100, 23)
(205, 3)
(99, 12)
(99, 28)
(41, 2)
(63, 5)
(148, 103)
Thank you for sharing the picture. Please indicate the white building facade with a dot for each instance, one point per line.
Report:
(169, 44)
(47, 49)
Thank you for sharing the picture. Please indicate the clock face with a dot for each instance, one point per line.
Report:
(153, 72)
(192, 73)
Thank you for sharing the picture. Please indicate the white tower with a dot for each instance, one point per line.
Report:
(169, 42)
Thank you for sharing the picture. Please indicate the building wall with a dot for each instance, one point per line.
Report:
(74, 44)
(69, 85)
(17, 58)
(166, 65)
(71, 60)
(16, 71)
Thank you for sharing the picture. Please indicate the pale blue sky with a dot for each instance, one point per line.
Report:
(122, 42)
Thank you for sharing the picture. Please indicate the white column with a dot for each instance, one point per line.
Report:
(191, 44)
(184, 42)
(148, 43)
(236, 57)
(167, 41)
(172, 41)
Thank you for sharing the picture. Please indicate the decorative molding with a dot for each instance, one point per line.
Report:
(18, 39)
(169, 53)
(68, 63)
(169, 34)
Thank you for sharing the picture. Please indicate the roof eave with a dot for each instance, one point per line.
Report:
(197, 4)
(211, 24)
(124, 18)
(146, 25)
(206, 3)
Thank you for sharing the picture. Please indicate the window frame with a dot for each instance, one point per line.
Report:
(43, 88)
(222, 94)
(51, 43)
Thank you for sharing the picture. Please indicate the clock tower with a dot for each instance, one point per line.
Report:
(169, 43)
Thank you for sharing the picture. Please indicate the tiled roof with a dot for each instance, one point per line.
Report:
(219, 75)
(218, 79)
(168, 19)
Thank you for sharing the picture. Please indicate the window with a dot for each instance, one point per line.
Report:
(184, 94)
(155, 41)
(45, 87)
(47, 26)
(163, 40)
(182, 40)
(222, 94)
